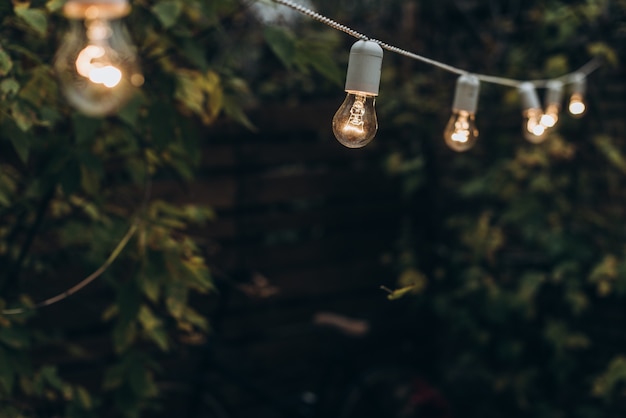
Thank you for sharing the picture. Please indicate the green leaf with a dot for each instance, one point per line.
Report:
(6, 64)
(49, 373)
(9, 86)
(21, 145)
(159, 336)
(282, 43)
(141, 380)
(148, 320)
(605, 384)
(132, 110)
(23, 116)
(123, 336)
(233, 110)
(611, 151)
(176, 299)
(167, 11)
(195, 318)
(85, 128)
(54, 5)
(84, 397)
(35, 18)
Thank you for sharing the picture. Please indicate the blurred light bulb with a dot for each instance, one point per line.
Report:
(532, 129)
(577, 105)
(461, 133)
(551, 117)
(96, 64)
(554, 96)
(355, 124)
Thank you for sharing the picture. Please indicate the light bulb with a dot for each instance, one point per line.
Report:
(355, 123)
(554, 95)
(461, 133)
(532, 129)
(577, 105)
(96, 63)
(551, 117)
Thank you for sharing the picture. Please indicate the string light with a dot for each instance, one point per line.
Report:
(98, 68)
(461, 132)
(355, 123)
(96, 63)
(554, 96)
(577, 105)
(532, 129)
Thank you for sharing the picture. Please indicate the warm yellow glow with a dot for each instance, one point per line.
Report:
(551, 116)
(576, 107)
(548, 120)
(92, 12)
(88, 54)
(354, 123)
(538, 130)
(460, 136)
(108, 75)
(534, 126)
(137, 80)
(460, 133)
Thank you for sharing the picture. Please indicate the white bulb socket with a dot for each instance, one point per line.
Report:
(528, 96)
(578, 84)
(466, 94)
(96, 9)
(364, 67)
(554, 93)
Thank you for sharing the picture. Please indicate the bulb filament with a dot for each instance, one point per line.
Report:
(461, 129)
(92, 62)
(357, 111)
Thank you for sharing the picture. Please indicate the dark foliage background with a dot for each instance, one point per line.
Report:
(511, 262)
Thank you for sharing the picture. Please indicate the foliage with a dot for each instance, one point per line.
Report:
(516, 251)
(71, 186)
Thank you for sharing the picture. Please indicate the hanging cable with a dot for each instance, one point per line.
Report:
(586, 69)
(147, 192)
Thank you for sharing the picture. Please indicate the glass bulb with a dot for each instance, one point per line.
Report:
(355, 123)
(532, 129)
(461, 133)
(577, 105)
(551, 117)
(97, 66)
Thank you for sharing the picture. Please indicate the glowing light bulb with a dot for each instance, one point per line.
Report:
(577, 105)
(532, 129)
(551, 117)
(96, 64)
(355, 124)
(554, 95)
(461, 133)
